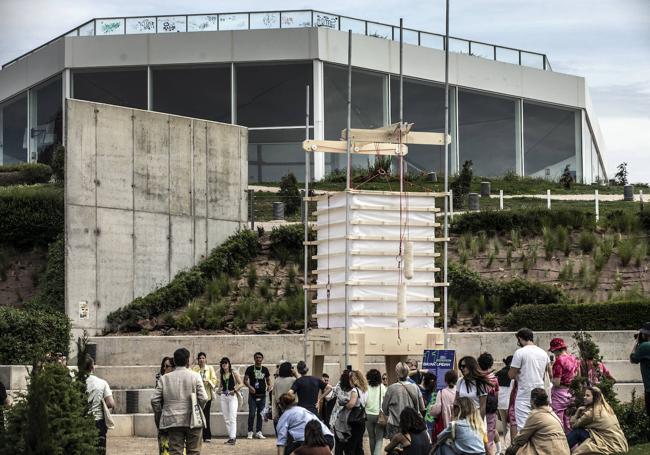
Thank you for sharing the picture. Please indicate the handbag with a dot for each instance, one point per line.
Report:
(108, 418)
(357, 414)
(382, 419)
(197, 419)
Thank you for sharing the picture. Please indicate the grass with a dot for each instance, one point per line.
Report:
(641, 449)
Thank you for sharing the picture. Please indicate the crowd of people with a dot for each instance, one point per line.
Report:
(478, 411)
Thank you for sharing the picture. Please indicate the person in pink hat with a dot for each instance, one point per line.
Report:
(564, 369)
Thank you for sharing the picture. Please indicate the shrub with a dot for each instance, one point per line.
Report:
(634, 420)
(640, 253)
(625, 251)
(624, 315)
(219, 287)
(28, 334)
(51, 292)
(550, 242)
(287, 243)
(251, 278)
(563, 239)
(24, 174)
(566, 179)
(237, 251)
(58, 164)
(566, 274)
(482, 242)
(52, 418)
(623, 221)
(215, 314)
(490, 321)
(30, 215)
(290, 194)
(587, 241)
(461, 185)
(529, 222)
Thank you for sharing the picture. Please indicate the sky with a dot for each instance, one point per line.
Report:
(605, 41)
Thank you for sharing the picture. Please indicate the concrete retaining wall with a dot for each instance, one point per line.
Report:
(146, 195)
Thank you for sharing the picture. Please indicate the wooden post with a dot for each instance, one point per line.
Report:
(500, 199)
(597, 207)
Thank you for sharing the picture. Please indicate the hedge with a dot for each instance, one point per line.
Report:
(529, 222)
(624, 315)
(51, 289)
(31, 215)
(24, 174)
(235, 253)
(466, 285)
(28, 334)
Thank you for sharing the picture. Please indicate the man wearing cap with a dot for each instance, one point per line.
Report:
(564, 369)
(641, 354)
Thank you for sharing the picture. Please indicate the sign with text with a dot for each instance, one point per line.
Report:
(438, 362)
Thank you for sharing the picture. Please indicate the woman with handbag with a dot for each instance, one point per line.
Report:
(443, 407)
(209, 378)
(229, 385)
(376, 418)
(348, 417)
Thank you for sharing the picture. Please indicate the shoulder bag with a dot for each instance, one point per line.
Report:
(108, 418)
(358, 413)
(197, 419)
(382, 419)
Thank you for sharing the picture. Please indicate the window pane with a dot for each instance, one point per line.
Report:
(14, 130)
(355, 25)
(47, 114)
(272, 154)
(424, 106)
(87, 29)
(172, 24)
(233, 21)
(549, 140)
(272, 95)
(367, 107)
(122, 87)
(380, 31)
(295, 19)
(202, 23)
(141, 25)
(110, 26)
(265, 20)
(205, 92)
(486, 133)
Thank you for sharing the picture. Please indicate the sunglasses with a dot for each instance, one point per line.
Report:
(461, 366)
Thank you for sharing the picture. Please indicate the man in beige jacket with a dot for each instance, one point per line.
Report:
(173, 397)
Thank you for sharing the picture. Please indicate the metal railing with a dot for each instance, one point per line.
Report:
(297, 19)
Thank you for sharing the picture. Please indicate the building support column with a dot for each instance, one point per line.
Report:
(233, 95)
(319, 117)
(454, 149)
(579, 120)
(149, 90)
(519, 136)
(66, 92)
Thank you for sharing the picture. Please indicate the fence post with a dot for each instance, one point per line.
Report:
(251, 199)
(451, 204)
(597, 206)
(548, 199)
(500, 199)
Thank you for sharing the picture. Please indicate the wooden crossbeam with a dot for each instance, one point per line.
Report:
(367, 148)
(391, 134)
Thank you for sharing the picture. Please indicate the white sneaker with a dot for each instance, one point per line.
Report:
(250, 435)
(259, 435)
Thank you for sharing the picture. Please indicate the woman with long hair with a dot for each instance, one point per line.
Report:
(348, 436)
(443, 408)
(376, 392)
(209, 378)
(229, 385)
(465, 434)
(505, 388)
(166, 366)
(543, 432)
(474, 384)
(315, 442)
(281, 385)
(596, 429)
(413, 437)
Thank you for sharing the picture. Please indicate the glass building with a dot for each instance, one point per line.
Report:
(509, 112)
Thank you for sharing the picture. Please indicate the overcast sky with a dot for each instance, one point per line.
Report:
(606, 41)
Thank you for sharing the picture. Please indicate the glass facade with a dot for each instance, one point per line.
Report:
(273, 95)
(205, 92)
(424, 106)
(46, 119)
(487, 133)
(273, 153)
(125, 87)
(369, 109)
(13, 141)
(549, 140)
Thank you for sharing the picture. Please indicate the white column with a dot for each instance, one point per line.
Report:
(233, 95)
(580, 158)
(519, 137)
(149, 90)
(454, 149)
(597, 207)
(319, 117)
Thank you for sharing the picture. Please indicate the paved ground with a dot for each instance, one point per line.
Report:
(149, 446)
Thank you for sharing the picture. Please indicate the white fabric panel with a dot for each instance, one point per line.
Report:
(373, 322)
(338, 291)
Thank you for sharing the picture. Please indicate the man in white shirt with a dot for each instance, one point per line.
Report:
(98, 390)
(529, 365)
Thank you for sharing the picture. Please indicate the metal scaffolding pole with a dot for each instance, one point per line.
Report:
(306, 220)
(347, 202)
(446, 170)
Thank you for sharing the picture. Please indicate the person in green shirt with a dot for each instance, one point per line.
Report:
(641, 354)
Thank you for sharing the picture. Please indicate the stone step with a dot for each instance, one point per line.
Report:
(622, 370)
(147, 350)
(143, 425)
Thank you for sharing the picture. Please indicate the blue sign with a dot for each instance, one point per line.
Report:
(438, 362)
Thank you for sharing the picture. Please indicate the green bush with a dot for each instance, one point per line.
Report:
(51, 292)
(626, 251)
(529, 222)
(290, 194)
(634, 420)
(623, 315)
(24, 174)
(52, 418)
(58, 164)
(587, 241)
(28, 334)
(30, 215)
(287, 243)
(237, 251)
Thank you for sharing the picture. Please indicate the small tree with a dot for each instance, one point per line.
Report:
(461, 184)
(621, 176)
(589, 353)
(566, 179)
(51, 418)
(290, 193)
(58, 164)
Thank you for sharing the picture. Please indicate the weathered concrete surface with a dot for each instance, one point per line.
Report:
(147, 195)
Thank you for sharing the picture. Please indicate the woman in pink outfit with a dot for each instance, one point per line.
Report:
(565, 369)
(443, 409)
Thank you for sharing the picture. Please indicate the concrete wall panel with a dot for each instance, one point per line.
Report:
(180, 165)
(243, 175)
(114, 157)
(181, 244)
(80, 155)
(151, 260)
(80, 263)
(151, 161)
(224, 176)
(220, 230)
(199, 168)
(97, 51)
(115, 260)
(200, 239)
